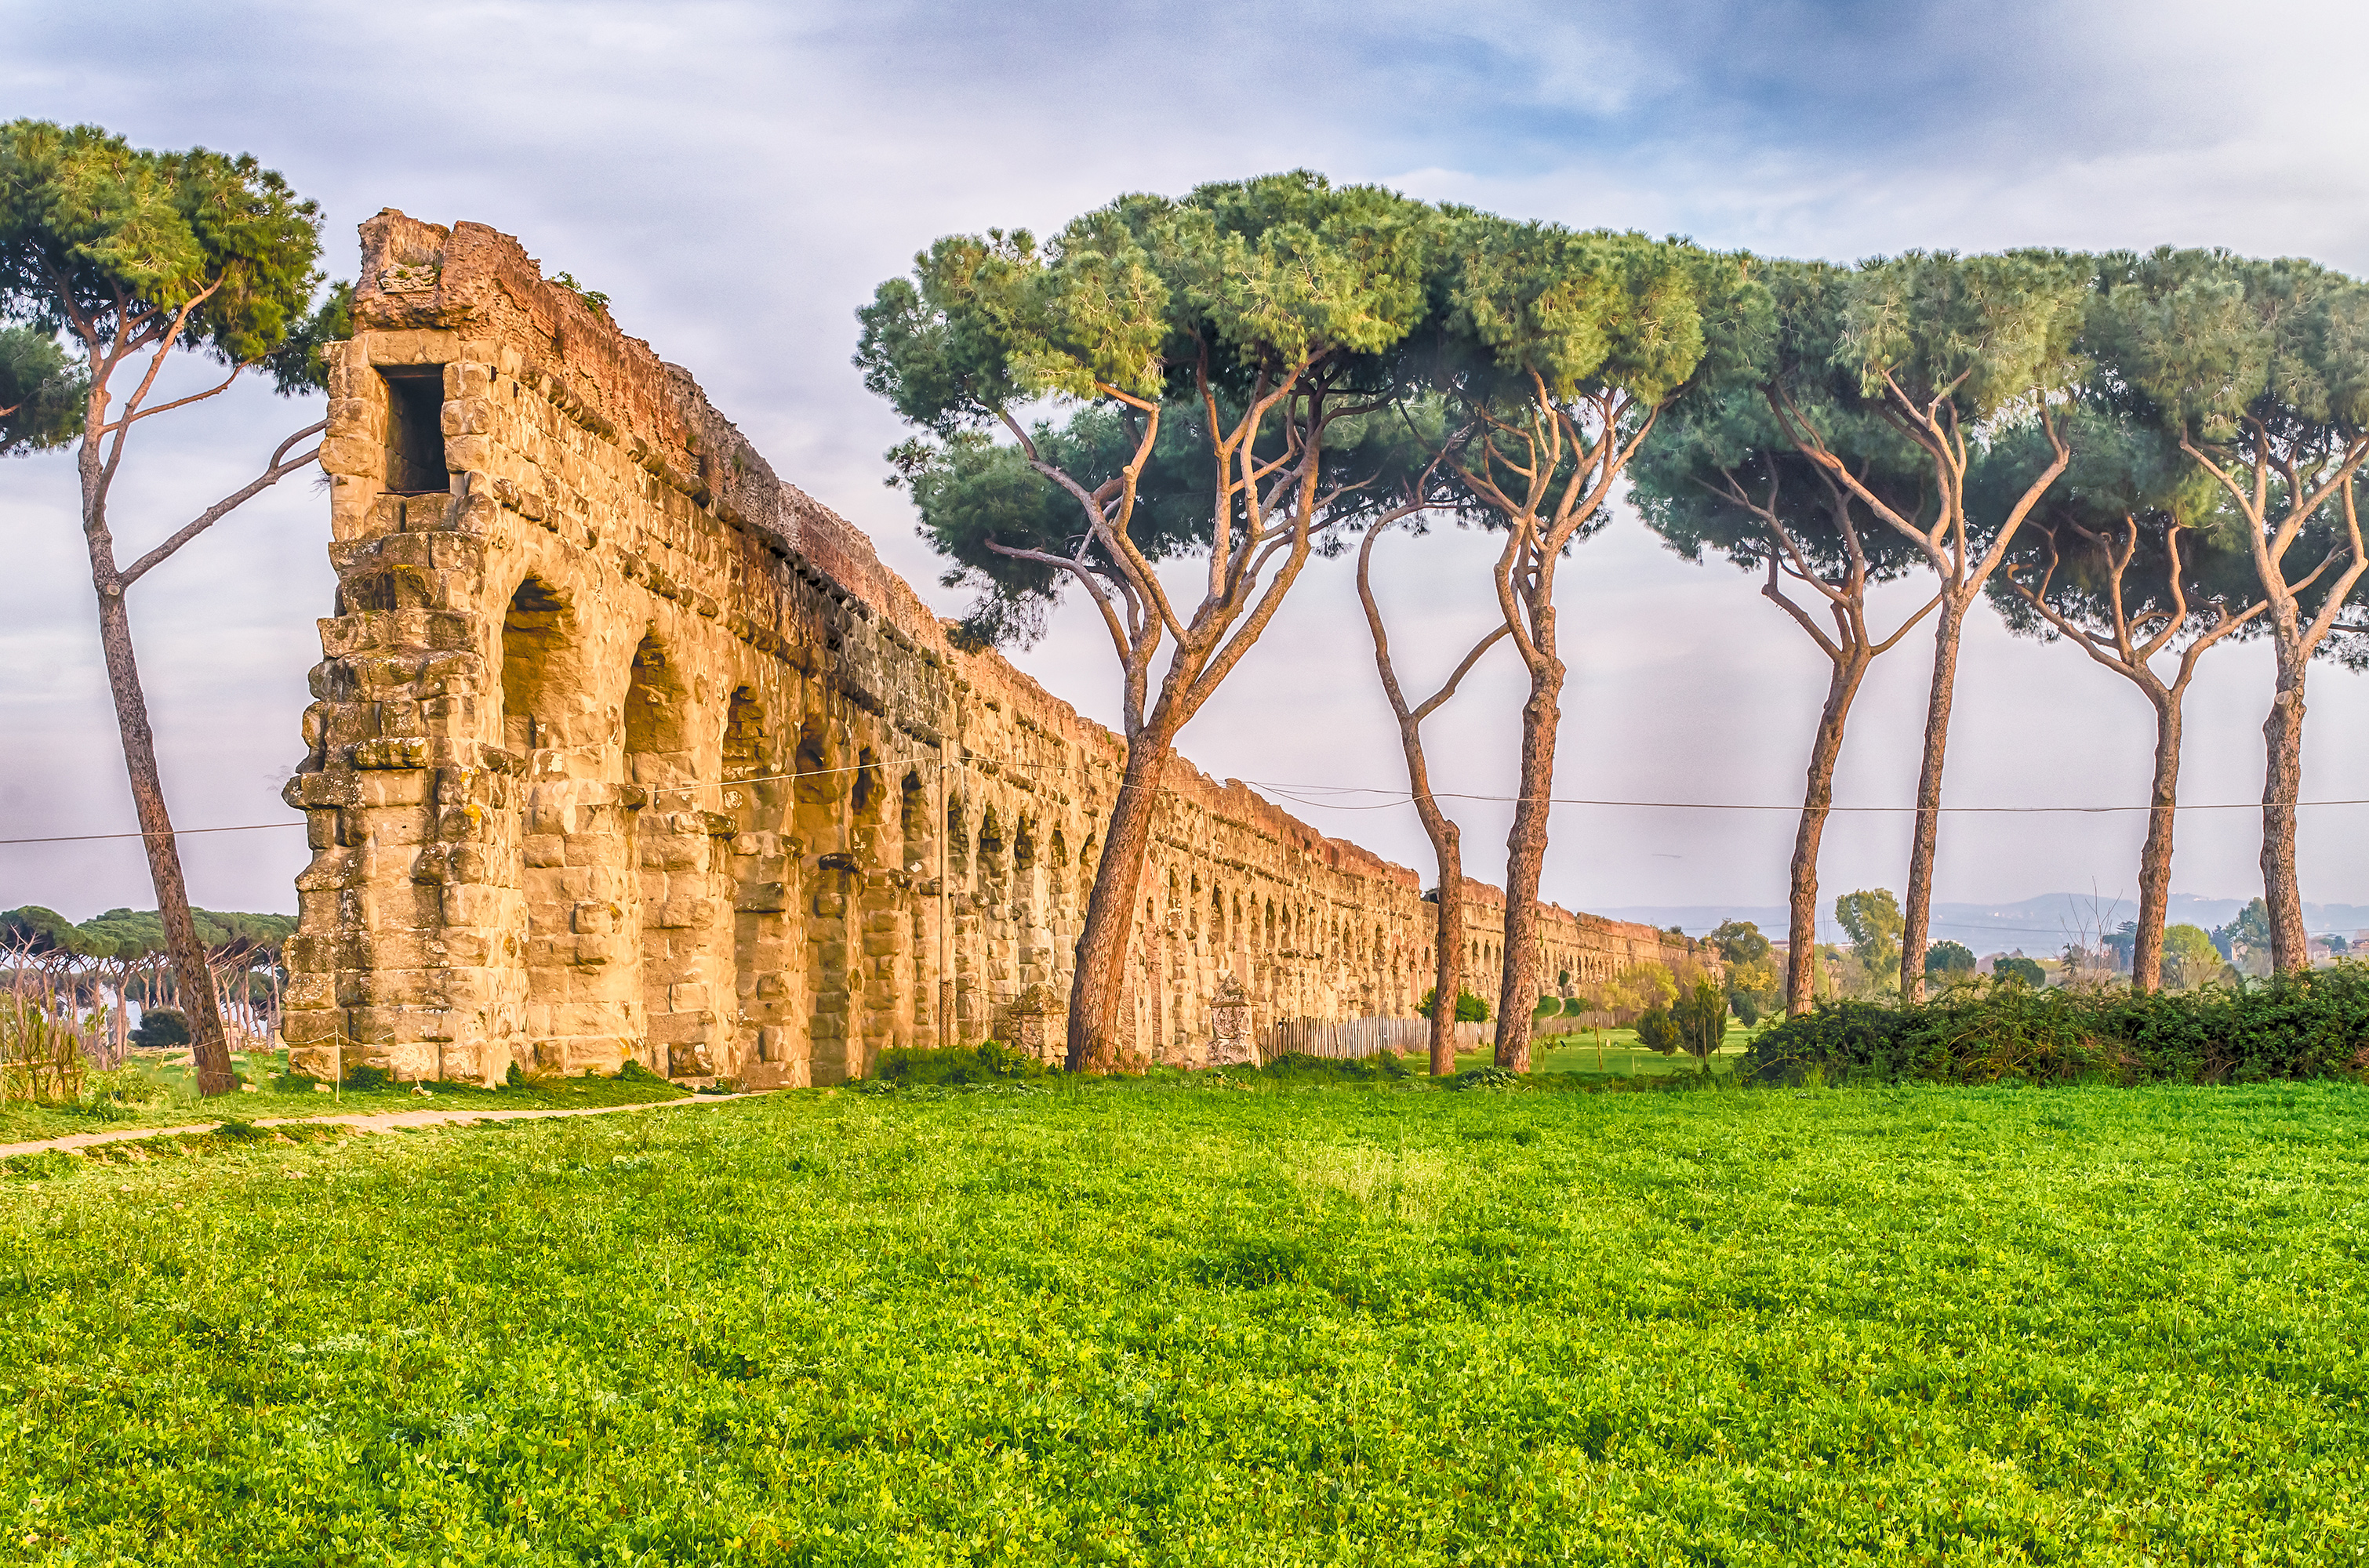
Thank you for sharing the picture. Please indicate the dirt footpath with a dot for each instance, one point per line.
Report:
(386, 1121)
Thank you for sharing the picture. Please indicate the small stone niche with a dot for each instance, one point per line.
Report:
(415, 428)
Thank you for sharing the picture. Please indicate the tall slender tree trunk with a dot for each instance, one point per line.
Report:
(2154, 856)
(2282, 787)
(1917, 917)
(1097, 987)
(1447, 949)
(209, 1049)
(1526, 852)
(1818, 800)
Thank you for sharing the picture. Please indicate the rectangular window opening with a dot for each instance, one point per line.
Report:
(415, 428)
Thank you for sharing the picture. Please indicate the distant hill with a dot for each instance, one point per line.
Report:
(2038, 925)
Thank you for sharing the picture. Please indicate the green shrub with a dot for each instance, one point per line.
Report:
(1699, 1015)
(2027, 970)
(1949, 957)
(1470, 1009)
(108, 1096)
(1657, 1031)
(162, 1029)
(634, 1071)
(2314, 1024)
(362, 1078)
(1299, 1067)
(988, 1062)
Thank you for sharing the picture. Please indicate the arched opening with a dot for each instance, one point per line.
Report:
(540, 670)
(762, 1011)
(573, 871)
(658, 737)
(957, 838)
(815, 781)
(687, 1003)
(744, 736)
(870, 790)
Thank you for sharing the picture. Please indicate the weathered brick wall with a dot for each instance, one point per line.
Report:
(623, 747)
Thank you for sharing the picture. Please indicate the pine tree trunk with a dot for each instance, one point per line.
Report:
(1448, 852)
(208, 1048)
(1098, 987)
(2154, 856)
(1818, 800)
(1526, 853)
(1917, 916)
(1447, 952)
(2282, 786)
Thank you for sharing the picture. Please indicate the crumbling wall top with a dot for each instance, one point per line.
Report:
(480, 283)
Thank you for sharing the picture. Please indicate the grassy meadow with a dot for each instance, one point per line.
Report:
(1211, 1319)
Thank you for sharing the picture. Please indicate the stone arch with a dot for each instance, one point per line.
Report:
(687, 1003)
(991, 846)
(575, 872)
(658, 719)
(870, 789)
(541, 666)
(763, 1007)
(813, 764)
(746, 742)
(913, 822)
(957, 838)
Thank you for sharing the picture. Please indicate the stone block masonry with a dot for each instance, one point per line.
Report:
(624, 749)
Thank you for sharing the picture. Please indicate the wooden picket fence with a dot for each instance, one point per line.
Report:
(1351, 1039)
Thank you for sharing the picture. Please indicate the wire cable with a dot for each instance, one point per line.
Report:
(1299, 793)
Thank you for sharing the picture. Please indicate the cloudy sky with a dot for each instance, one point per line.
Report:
(738, 176)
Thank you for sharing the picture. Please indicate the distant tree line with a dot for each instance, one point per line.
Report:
(93, 976)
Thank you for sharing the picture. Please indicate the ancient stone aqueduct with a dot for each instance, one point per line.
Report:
(624, 749)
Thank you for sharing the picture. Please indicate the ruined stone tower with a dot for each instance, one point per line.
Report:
(624, 749)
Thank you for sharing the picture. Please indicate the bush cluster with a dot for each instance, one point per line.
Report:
(2313, 1024)
(989, 1061)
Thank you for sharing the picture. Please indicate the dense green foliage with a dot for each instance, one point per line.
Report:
(991, 1061)
(1233, 1322)
(40, 393)
(1947, 957)
(2312, 1024)
(2019, 967)
(1470, 1009)
(162, 1029)
(109, 242)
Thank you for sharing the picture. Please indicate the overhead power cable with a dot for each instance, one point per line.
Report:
(1301, 793)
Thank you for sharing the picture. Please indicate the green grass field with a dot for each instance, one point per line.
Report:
(1172, 1322)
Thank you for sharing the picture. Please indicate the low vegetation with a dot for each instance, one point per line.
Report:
(2314, 1024)
(1317, 1314)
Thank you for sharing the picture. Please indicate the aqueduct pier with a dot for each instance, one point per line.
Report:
(623, 747)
